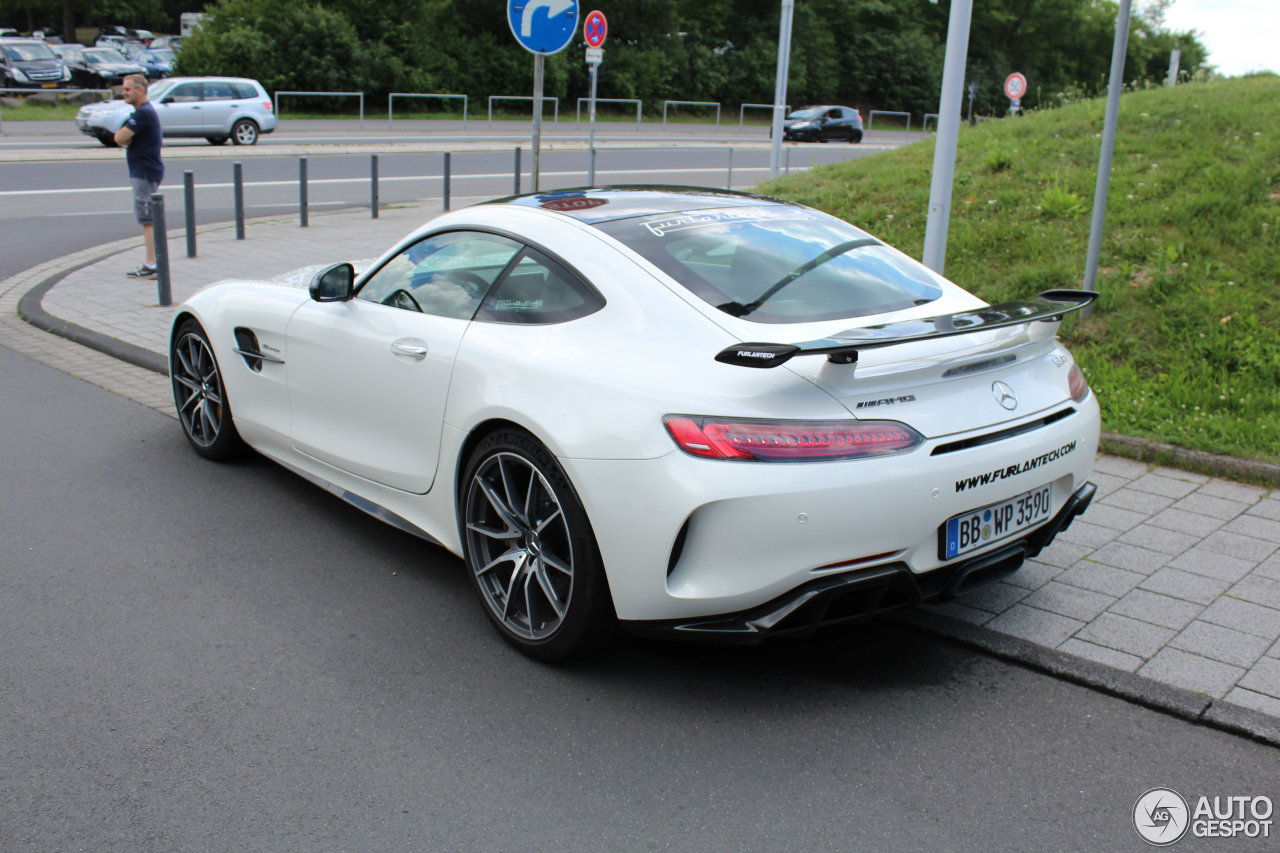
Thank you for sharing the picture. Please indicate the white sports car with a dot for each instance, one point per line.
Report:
(687, 411)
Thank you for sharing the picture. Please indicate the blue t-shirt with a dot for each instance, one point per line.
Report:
(143, 153)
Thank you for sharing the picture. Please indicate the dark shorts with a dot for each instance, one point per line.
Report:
(142, 190)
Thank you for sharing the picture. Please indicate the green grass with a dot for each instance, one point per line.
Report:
(1184, 343)
(40, 112)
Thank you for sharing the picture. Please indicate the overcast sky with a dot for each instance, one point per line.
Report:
(1241, 35)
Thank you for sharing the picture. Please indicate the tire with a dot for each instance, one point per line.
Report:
(530, 552)
(244, 132)
(199, 395)
(107, 140)
(855, 136)
(217, 140)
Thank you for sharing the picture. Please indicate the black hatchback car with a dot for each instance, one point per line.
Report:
(820, 124)
(30, 64)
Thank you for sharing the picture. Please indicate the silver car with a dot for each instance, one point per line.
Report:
(215, 108)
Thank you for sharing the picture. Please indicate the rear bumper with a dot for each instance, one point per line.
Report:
(858, 596)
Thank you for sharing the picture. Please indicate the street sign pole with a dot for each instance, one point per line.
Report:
(780, 85)
(945, 143)
(1118, 50)
(591, 125)
(542, 27)
(539, 61)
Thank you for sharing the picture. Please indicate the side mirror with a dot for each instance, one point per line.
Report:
(333, 283)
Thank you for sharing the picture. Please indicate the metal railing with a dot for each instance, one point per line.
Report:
(715, 104)
(635, 101)
(529, 98)
(873, 113)
(743, 107)
(391, 103)
(275, 102)
(925, 122)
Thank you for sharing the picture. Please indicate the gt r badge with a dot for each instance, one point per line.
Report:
(1004, 395)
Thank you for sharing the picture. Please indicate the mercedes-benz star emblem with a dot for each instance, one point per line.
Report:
(1004, 395)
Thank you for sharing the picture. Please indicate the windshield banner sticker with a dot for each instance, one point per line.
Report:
(718, 217)
(1014, 470)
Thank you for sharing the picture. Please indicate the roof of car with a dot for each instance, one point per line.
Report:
(594, 205)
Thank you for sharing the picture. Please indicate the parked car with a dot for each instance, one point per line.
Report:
(820, 124)
(9, 33)
(704, 414)
(157, 61)
(213, 108)
(31, 64)
(99, 67)
(174, 43)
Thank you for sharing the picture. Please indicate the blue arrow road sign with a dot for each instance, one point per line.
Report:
(543, 26)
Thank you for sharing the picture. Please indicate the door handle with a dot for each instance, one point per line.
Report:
(413, 351)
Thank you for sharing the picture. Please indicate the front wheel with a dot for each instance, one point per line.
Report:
(530, 551)
(244, 132)
(216, 140)
(107, 139)
(199, 395)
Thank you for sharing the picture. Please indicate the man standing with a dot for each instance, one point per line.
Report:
(140, 136)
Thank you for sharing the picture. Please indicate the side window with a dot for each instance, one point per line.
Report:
(445, 274)
(537, 289)
(244, 91)
(216, 90)
(187, 93)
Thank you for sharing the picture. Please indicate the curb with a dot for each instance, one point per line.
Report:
(1176, 701)
(1198, 461)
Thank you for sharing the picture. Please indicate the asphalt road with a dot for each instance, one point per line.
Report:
(222, 657)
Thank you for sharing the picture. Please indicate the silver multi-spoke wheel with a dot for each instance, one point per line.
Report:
(199, 395)
(524, 552)
(530, 550)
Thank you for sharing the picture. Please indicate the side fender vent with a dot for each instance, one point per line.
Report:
(247, 346)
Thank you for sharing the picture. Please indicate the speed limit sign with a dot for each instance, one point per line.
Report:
(1015, 86)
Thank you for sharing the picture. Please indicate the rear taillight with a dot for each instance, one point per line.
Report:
(1076, 383)
(788, 441)
(266, 105)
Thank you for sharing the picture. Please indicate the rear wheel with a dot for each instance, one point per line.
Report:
(199, 395)
(855, 136)
(244, 132)
(530, 552)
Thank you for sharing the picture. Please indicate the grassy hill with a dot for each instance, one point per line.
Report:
(1184, 344)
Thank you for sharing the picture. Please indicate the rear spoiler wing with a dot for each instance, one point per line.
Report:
(843, 348)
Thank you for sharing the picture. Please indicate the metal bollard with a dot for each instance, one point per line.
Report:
(373, 186)
(517, 189)
(729, 185)
(237, 177)
(158, 233)
(189, 201)
(591, 169)
(302, 192)
(445, 189)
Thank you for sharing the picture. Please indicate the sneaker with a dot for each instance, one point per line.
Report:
(143, 271)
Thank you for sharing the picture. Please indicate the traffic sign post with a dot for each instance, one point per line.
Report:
(1015, 86)
(594, 32)
(542, 27)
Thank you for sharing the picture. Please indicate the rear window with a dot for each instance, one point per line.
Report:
(778, 264)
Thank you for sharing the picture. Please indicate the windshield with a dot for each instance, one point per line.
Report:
(810, 113)
(778, 264)
(158, 55)
(28, 51)
(103, 54)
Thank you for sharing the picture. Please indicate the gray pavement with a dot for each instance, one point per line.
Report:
(1166, 592)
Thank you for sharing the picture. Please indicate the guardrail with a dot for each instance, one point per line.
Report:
(715, 104)
(635, 101)
(873, 113)
(529, 98)
(391, 102)
(743, 107)
(275, 102)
